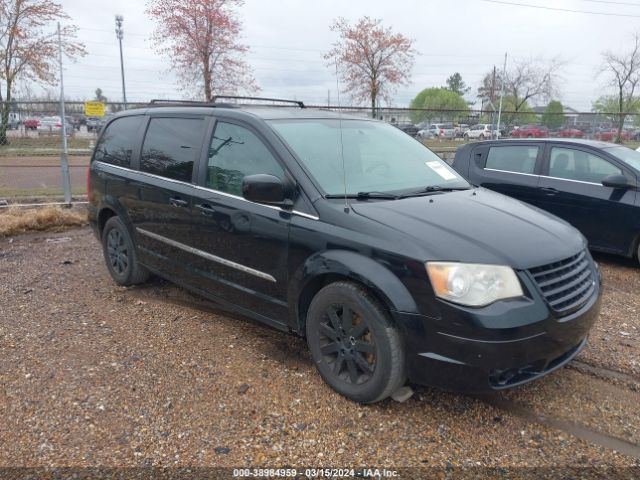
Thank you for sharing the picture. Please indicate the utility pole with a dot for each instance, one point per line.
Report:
(504, 76)
(119, 35)
(64, 158)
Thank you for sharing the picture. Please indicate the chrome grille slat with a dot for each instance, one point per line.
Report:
(561, 278)
(554, 267)
(567, 284)
(571, 283)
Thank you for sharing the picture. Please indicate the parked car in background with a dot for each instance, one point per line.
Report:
(461, 129)
(92, 123)
(425, 134)
(52, 125)
(569, 132)
(408, 128)
(530, 131)
(76, 120)
(610, 134)
(442, 130)
(592, 185)
(31, 123)
(480, 131)
(391, 265)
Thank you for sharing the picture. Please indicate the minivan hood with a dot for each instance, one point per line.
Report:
(478, 226)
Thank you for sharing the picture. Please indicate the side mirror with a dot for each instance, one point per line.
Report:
(616, 181)
(263, 188)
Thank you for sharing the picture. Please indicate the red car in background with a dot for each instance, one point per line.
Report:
(530, 131)
(611, 134)
(31, 123)
(571, 133)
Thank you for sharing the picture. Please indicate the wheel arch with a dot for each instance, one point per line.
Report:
(111, 207)
(341, 265)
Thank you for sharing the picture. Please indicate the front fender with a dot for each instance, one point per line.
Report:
(351, 265)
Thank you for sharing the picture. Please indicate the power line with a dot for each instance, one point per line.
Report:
(540, 7)
(613, 3)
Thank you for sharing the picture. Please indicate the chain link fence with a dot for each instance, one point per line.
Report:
(30, 160)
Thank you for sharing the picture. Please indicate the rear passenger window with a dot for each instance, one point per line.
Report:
(118, 140)
(513, 158)
(234, 153)
(578, 165)
(171, 146)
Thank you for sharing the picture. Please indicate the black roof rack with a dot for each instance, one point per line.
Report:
(262, 99)
(215, 103)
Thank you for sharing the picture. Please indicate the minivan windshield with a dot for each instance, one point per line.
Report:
(377, 157)
(628, 156)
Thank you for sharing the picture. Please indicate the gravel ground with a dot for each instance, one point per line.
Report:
(95, 374)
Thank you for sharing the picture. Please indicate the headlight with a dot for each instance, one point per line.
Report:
(472, 284)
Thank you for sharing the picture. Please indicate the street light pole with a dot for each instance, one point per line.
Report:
(119, 35)
(64, 158)
(504, 77)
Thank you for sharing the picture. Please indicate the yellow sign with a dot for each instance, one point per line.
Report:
(94, 109)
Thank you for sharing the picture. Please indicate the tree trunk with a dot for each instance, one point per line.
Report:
(4, 120)
(208, 94)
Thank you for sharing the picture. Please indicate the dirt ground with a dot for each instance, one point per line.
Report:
(95, 374)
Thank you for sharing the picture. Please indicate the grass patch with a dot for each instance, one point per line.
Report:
(39, 192)
(47, 141)
(16, 220)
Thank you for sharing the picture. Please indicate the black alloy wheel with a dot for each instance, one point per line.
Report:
(347, 344)
(117, 251)
(354, 344)
(120, 254)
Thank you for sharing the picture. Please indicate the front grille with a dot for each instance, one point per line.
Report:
(568, 284)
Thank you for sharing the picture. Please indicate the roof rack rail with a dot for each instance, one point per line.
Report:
(263, 99)
(158, 102)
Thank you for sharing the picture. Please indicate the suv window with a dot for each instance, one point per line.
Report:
(118, 140)
(171, 146)
(513, 158)
(234, 153)
(579, 165)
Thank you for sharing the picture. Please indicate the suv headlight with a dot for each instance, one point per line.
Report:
(472, 284)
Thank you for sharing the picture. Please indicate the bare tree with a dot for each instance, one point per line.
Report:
(201, 39)
(533, 79)
(372, 60)
(623, 72)
(29, 46)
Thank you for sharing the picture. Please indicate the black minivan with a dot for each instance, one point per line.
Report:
(348, 232)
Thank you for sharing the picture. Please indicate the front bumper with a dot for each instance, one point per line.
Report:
(460, 352)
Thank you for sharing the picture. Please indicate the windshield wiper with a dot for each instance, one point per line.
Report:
(432, 189)
(365, 195)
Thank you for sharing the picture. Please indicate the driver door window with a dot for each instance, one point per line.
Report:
(234, 153)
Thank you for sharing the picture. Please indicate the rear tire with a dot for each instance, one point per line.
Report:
(120, 254)
(355, 347)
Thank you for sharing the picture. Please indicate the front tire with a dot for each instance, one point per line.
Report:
(120, 254)
(355, 347)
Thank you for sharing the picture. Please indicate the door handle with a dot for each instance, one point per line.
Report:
(206, 209)
(178, 202)
(549, 191)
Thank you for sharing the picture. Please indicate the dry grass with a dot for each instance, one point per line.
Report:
(19, 220)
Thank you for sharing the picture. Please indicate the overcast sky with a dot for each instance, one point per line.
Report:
(288, 38)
